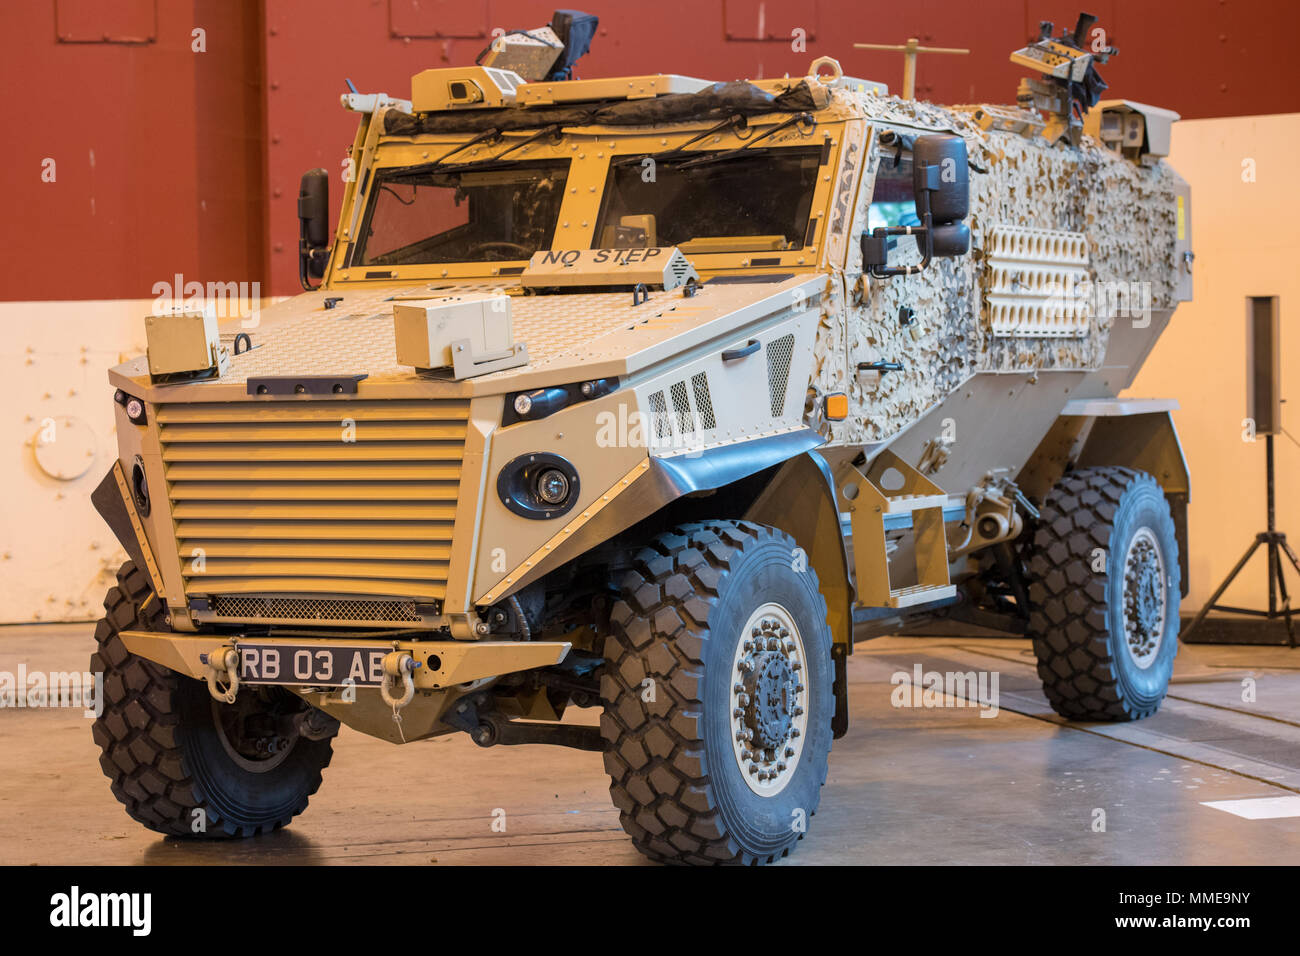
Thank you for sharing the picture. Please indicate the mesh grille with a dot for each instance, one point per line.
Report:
(682, 408)
(659, 415)
(248, 608)
(779, 352)
(703, 401)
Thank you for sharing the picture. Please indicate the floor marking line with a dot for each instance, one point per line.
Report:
(1187, 700)
(1258, 808)
(1032, 709)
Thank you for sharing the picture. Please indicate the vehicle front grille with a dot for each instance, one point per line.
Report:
(305, 506)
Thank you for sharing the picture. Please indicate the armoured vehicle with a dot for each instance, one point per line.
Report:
(653, 394)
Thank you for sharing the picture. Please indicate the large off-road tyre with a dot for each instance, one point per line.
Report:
(176, 760)
(718, 698)
(1104, 585)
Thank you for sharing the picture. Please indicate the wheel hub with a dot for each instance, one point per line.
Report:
(256, 736)
(1144, 598)
(768, 700)
(771, 689)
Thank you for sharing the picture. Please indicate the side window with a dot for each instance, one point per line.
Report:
(892, 201)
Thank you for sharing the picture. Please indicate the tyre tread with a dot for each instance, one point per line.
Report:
(140, 750)
(1068, 606)
(659, 778)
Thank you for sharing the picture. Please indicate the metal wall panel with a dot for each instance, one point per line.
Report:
(136, 160)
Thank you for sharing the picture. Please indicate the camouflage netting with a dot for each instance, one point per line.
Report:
(1126, 211)
(714, 102)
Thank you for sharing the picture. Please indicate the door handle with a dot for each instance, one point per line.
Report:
(730, 355)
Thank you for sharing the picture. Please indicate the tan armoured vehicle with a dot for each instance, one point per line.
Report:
(653, 394)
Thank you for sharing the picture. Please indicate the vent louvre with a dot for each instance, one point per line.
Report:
(779, 353)
(307, 498)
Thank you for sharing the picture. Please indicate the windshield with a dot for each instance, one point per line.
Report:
(493, 212)
(756, 200)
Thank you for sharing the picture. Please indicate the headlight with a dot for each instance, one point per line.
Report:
(134, 408)
(530, 406)
(552, 486)
(538, 485)
(540, 402)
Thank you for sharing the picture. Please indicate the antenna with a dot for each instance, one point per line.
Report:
(910, 49)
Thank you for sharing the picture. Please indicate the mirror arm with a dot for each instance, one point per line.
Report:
(924, 238)
(307, 255)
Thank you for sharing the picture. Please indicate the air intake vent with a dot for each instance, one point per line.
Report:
(248, 608)
(779, 352)
(680, 269)
(682, 409)
(314, 499)
(659, 415)
(683, 422)
(703, 402)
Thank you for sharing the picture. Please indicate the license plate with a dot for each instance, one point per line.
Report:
(318, 665)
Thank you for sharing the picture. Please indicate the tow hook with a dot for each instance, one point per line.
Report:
(398, 664)
(223, 665)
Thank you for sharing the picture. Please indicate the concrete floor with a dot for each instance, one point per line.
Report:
(907, 785)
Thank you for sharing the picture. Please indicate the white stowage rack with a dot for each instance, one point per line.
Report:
(1038, 282)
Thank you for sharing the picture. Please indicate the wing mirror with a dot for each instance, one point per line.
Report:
(941, 184)
(313, 226)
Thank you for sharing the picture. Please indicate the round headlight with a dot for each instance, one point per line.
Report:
(134, 408)
(523, 404)
(539, 485)
(552, 486)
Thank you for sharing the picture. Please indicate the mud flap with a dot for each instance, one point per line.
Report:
(840, 688)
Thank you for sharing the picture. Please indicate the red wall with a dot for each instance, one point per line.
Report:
(197, 156)
(157, 149)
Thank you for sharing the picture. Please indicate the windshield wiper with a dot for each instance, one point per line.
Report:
(485, 136)
(490, 135)
(736, 121)
(800, 119)
(553, 131)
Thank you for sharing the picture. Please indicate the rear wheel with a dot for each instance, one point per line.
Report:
(183, 764)
(718, 701)
(1104, 588)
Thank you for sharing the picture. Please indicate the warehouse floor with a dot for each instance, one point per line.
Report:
(907, 785)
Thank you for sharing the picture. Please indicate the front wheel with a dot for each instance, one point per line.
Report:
(181, 763)
(717, 690)
(1104, 587)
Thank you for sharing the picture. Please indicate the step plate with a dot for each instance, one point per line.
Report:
(918, 594)
(906, 504)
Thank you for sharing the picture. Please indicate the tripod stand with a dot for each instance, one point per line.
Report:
(1277, 546)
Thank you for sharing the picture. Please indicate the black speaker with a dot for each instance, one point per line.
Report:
(1263, 364)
